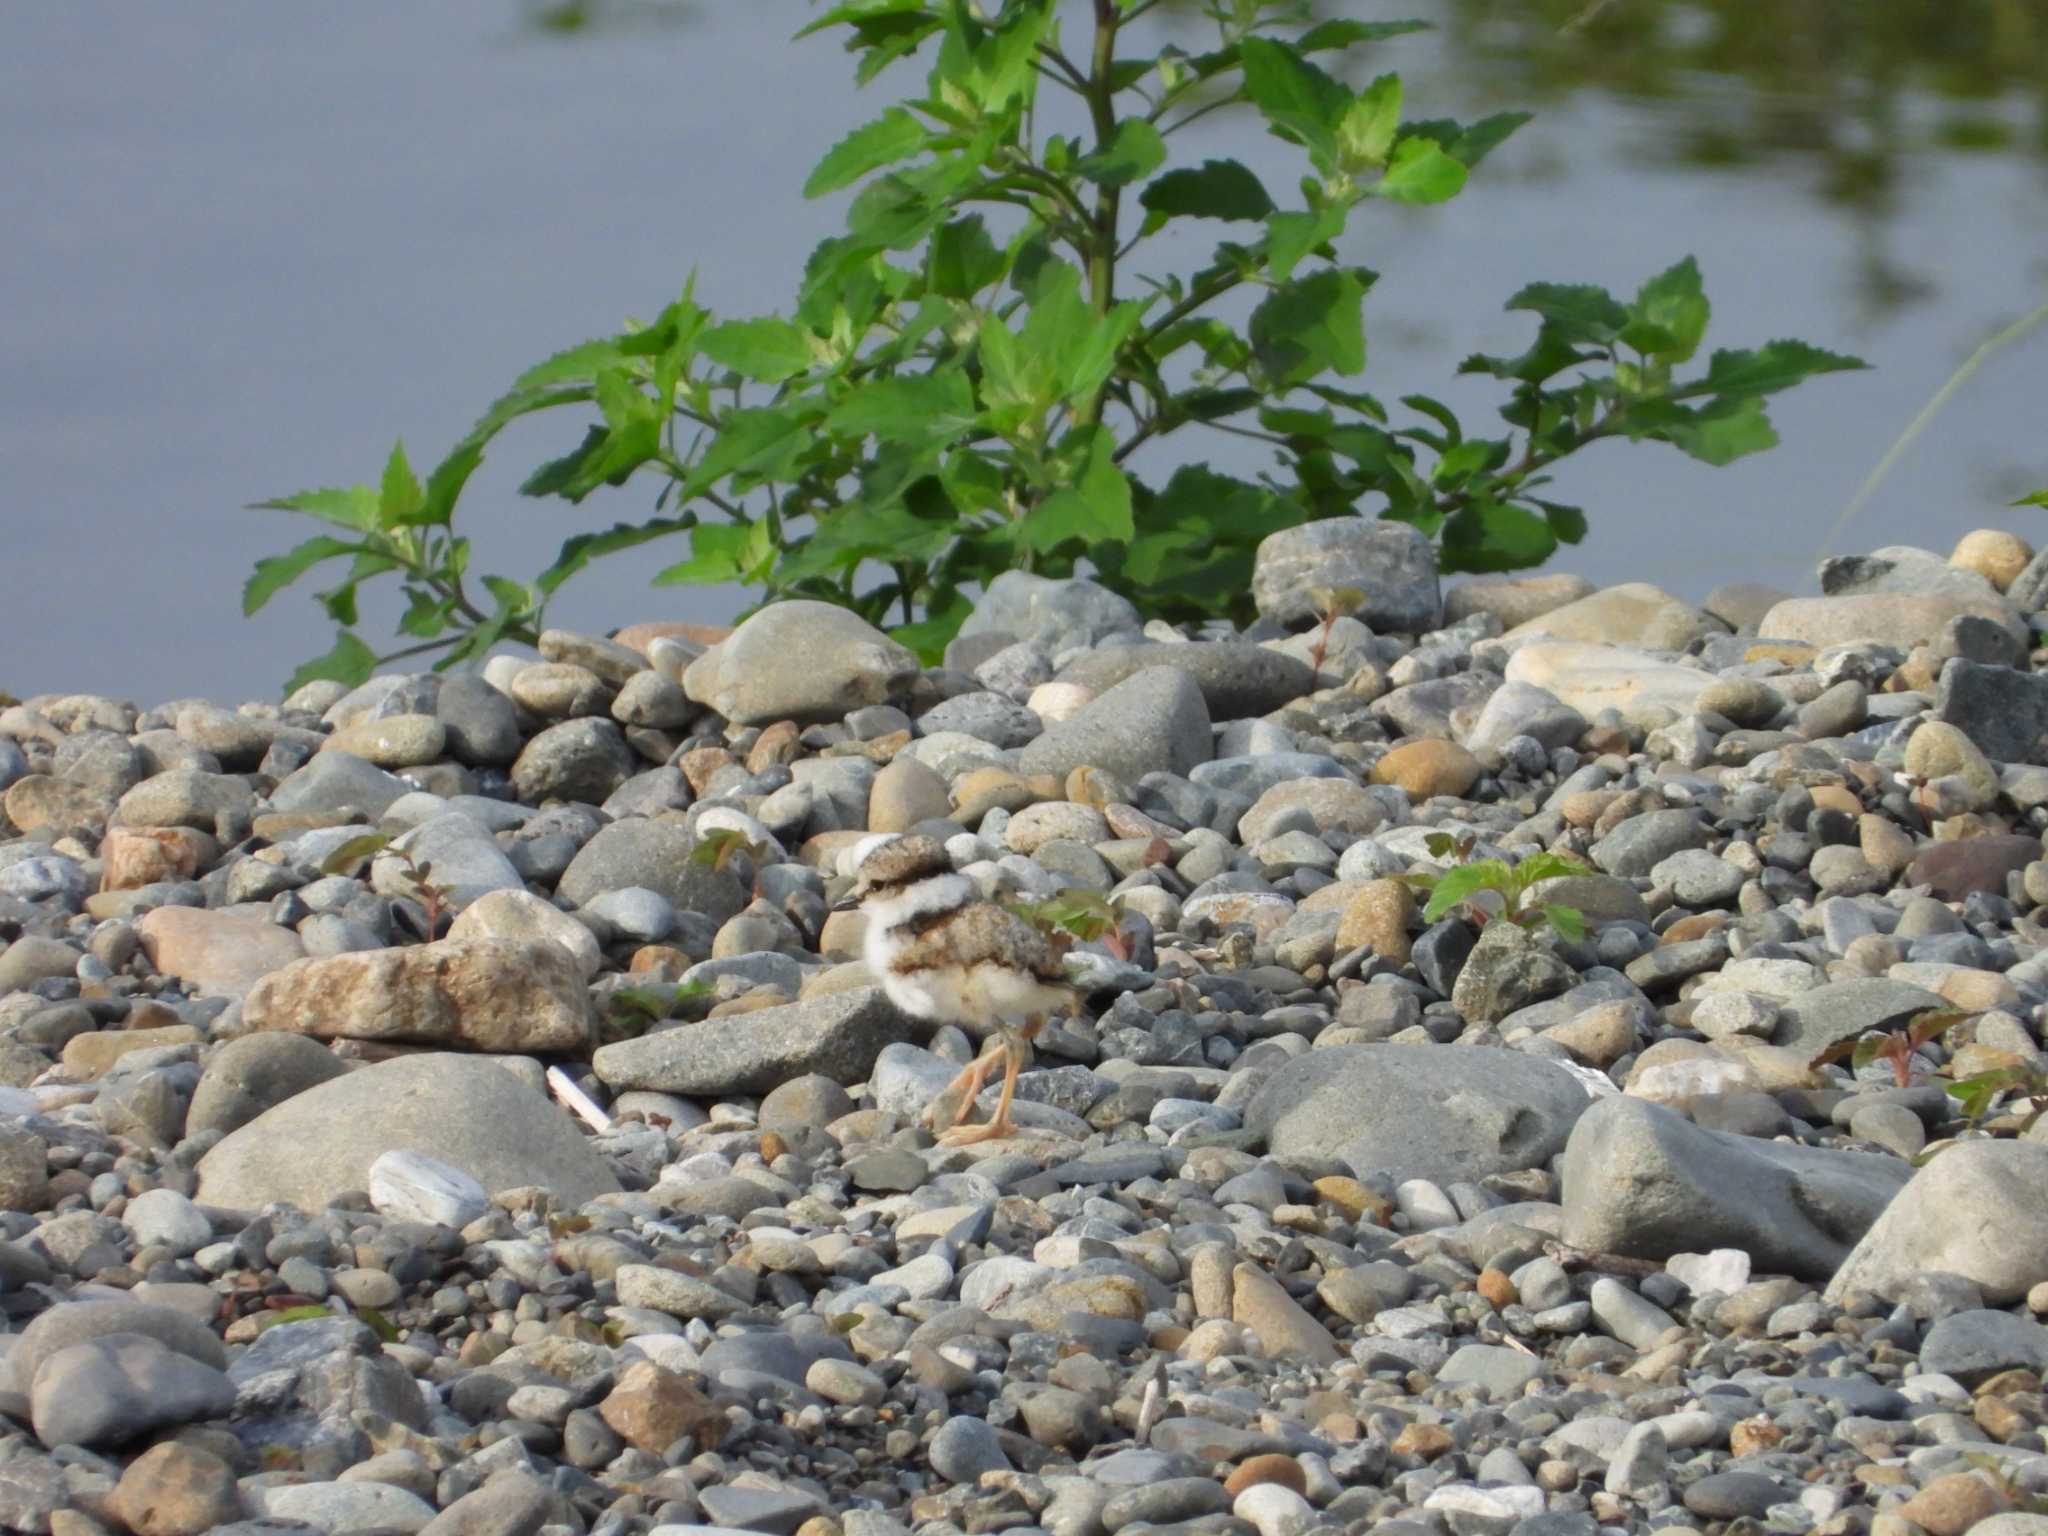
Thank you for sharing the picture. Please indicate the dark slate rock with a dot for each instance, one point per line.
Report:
(656, 855)
(1643, 842)
(1732, 1495)
(1440, 953)
(1237, 680)
(1643, 1181)
(1842, 1010)
(1154, 721)
(1407, 1113)
(1975, 1346)
(838, 1036)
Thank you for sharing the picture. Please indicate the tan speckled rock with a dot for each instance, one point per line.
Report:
(1938, 750)
(1993, 553)
(1634, 613)
(1902, 619)
(1426, 768)
(473, 994)
(1279, 1322)
(905, 793)
(1378, 916)
(220, 951)
(1514, 599)
(396, 741)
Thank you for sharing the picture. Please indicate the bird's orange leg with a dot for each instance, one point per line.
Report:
(956, 1099)
(1016, 1050)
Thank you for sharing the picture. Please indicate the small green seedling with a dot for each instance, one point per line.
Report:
(716, 847)
(1332, 604)
(644, 1007)
(1086, 916)
(1480, 886)
(1894, 1047)
(419, 873)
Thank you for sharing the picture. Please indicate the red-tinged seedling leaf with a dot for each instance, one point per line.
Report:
(351, 853)
(1929, 1026)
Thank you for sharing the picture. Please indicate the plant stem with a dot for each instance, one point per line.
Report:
(1928, 412)
(1101, 96)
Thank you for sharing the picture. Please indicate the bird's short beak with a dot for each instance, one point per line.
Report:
(847, 898)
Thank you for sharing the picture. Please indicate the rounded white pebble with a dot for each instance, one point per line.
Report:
(410, 1186)
(1274, 1510)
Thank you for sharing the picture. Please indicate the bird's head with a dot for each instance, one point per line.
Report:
(897, 865)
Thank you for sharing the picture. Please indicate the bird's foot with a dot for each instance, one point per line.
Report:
(968, 1135)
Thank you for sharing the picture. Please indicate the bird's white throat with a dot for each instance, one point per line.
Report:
(928, 898)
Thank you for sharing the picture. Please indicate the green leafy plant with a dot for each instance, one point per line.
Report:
(418, 873)
(716, 847)
(1079, 914)
(967, 376)
(639, 1009)
(1979, 1093)
(1494, 889)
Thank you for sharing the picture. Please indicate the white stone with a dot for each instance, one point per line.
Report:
(410, 1186)
(521, 916)
(1722, 1272)
(1592, 677)
(163, 1218)
(1274, 1510)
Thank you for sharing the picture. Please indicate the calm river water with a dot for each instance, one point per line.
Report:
(247, 245)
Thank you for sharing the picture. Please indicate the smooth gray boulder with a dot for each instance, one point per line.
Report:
(1974, 1210)
(1153, 722)
(1392, 564)
(1643, 1181)
(1842, 1010)
(801, 660)
(654, 855)
(468, 1111)
(1418, 1112)
(838, 1036)
(1237, 679)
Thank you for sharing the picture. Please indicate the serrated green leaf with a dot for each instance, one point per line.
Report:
(1096, 509)
(718, 552)
(350, 661)
(1491, 535)
(426, 615)
(1674, 302)
(2038, 499)
(399, 499)
(1774, 366)
(1293, 234)
(895, 135)
(578, 551)
(1421, 172)
(1215, 189)
(1568, 523)
(1308, 327)
(1569, 922)
(276, 572)
(1721, 431)
(1297, 99)
(1332, 35)
(768, 349)
(921, 410)
(1456, 886)
(1365, 133)
(1578, 313)
(1135, 151)
(963, 260)
(1550, 865)
(353, 507)
(759, 441)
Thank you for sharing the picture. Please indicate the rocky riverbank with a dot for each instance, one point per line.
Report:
(557, 1166)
